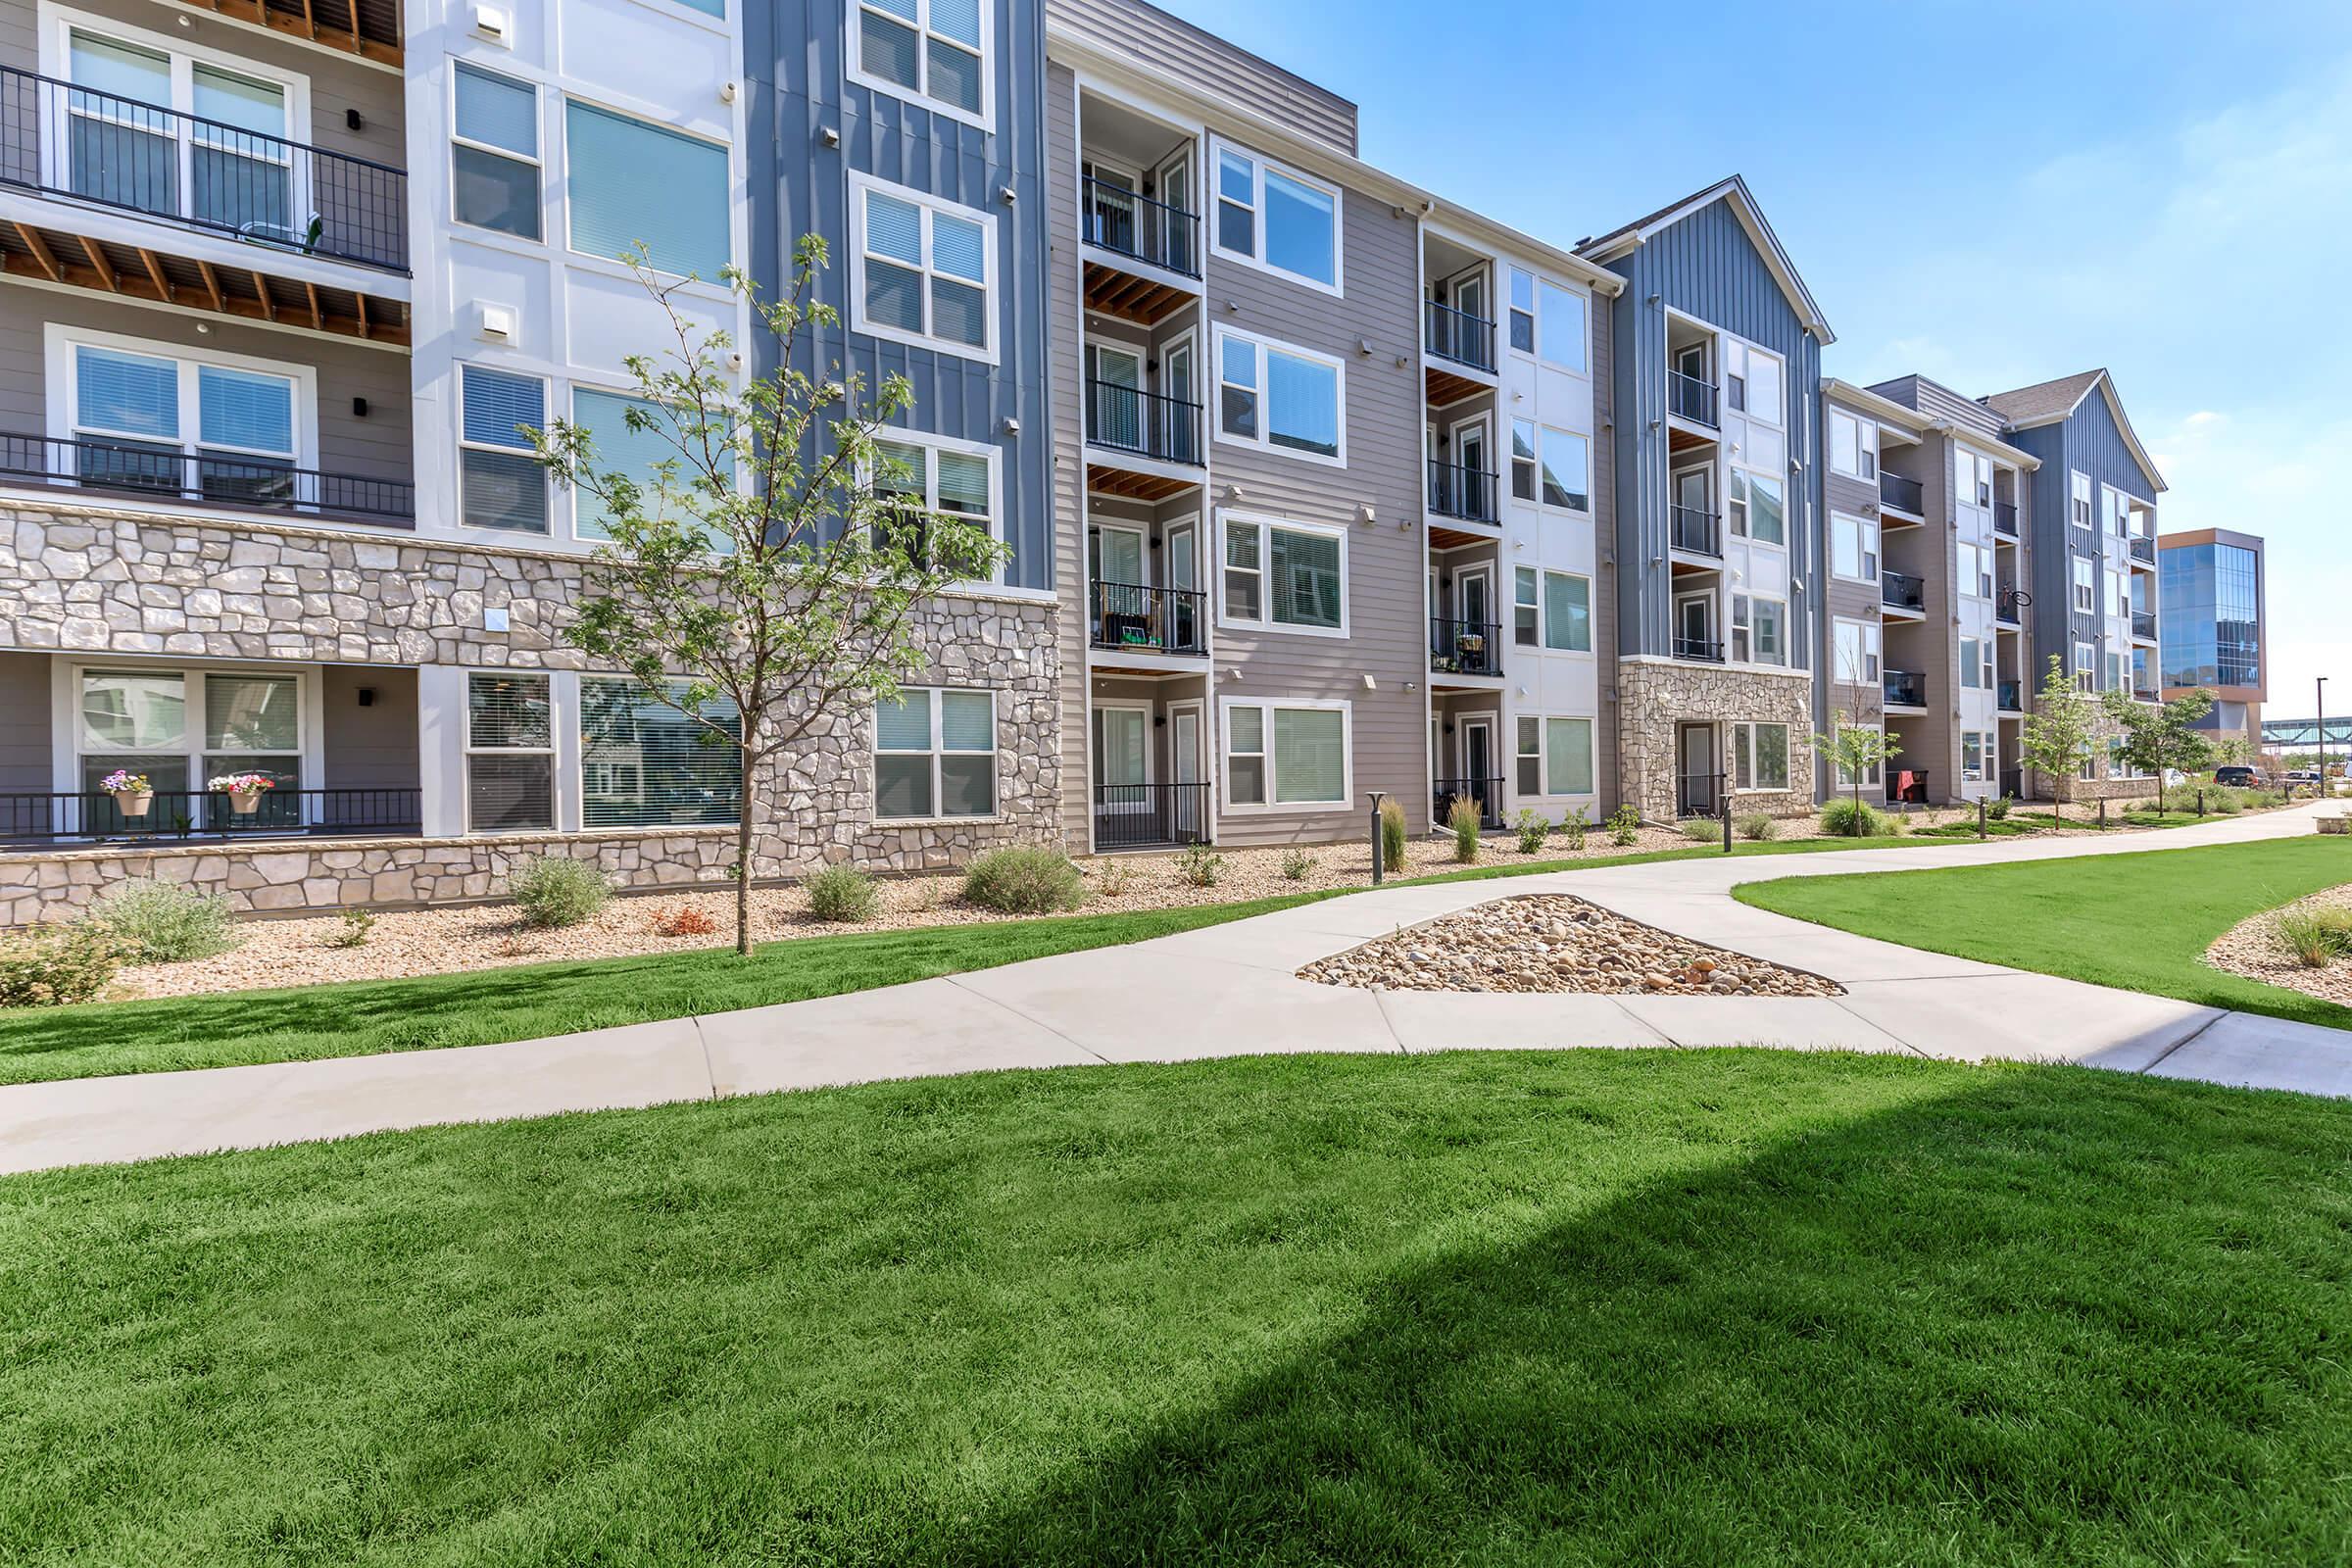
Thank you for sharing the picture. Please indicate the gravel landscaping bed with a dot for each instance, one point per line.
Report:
(2252, 948)
(1550, 942)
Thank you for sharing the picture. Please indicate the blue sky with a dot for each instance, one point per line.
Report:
(1990, 193)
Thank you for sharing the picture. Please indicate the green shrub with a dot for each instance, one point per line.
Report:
(1625, 826)
(1851, 819)
(164, 923)
(1200, 865)
(358, 926)
(1392, 832)
(2314, 937)
(1533, 828)
(842, 895)
(1998, 810)
(1703, 829)
(556, 890)
(1025, 879)
(1295, 864)
(1573, 828)
(52, 965)
(1759, 826)
(1462, 818)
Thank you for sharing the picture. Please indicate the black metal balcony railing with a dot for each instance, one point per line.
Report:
(1486, 793)
(1465, 646)
(1152, 621)
(174, 815)
(2013, 783)
(1687, 397)
(1704, 649)
(1907, 785)
(2011, 697)
(1459, 336)
(1147, 424)
(169, 473)
(2004, 519)
(1133, 224)
(2143, 548)
(1699, 795)
(1696, 529)
(1138, 817)
(1901, 493)
(65, 140)
(2143, 625)
(1901, 591)
(1905, 688)
(1464, 493)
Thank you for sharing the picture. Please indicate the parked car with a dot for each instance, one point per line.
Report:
(2241, 777)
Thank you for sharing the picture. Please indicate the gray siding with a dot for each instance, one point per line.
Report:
(796, 62)
(24, 722)
(1159, 42)
(1939, 401)
(2051, 620)
(1609, 785)
(1859, 699)
(370, 748)
(1066, 413)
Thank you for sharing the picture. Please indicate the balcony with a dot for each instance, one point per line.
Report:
(1907, 786)
(2146, 693)
(1149, 816)
(155, 472)
(2004, 519)
(2009, 607)
(1486, 793)
(2011, 696)
(1143, 424)
(174, 817)
(1459, 337)
(1465, 647)
(1130, 619)
(1695, 530)
(1900, 591)
(1905, 688)
(1902, 494)
(2142, 549)
(1699, 795)
(1687, 397)
(1699, 650)
(2143, 625)
(1464, 494)
(1135, 226)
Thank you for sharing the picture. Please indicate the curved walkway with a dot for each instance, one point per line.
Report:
(1230, 989)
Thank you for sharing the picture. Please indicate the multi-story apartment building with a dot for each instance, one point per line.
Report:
(2210, 600)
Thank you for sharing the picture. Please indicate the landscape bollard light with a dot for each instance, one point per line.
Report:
(1376, 797)
(1979, 816)
(2200, 800)
(1726, 822)
(2102, 813)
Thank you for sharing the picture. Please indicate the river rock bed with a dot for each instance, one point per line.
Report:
(1550, 942)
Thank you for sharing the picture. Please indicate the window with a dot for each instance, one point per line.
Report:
(2087, 589)
(1279, 754)
(1555, 755)
(922, 270)
(1857, 651)
(494, 157)
(500, 483)
(2115, 671)
(2114, 515)
(1741, 640)
(630, 183)
(1522, 460)
(1524, 606)
(1523, 312)
(935, 755)
(1561, 332)
(1973, 574)
(934, 49)
(1853, 445)
(1757, 508)
(510, 753)
(182, 728)
(1285, 576)
(614, 448)
(1770, 618)
(1566, 472)
(228, 428)
(1760, 756)
(1973, 750)
(1972, 478)
(2087, 667)
(942, 482)
(1751, 381)
(1848, 778)
(644, 763)
(1277, 218)
(1972, 664)
(2081, 499)
(1279, 398)
(1567, 612)
(1853, 547)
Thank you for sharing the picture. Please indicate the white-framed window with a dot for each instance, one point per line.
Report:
(935, 50)
(630, 183)
(1277, 575)
(1972, 664)
(2115, 512)
(1973, 571)
(922, 272)
(1984, 673)
(1855, 547)
(1756, 506)
(222, 427)
(1552, 755)
(1759, 756)
(1853, 445)
(1561, 477)
(2087, 586)
(1975, 746)
(2081, 491)
(615, 447)
(1523, 312)
(2115, 671)
(1867, 777)
(1525, 607)
(935, 755)
(1752, 382)
(1769, 618)
(1281, 398)
(2113, 588)
(1550, 323)
(2087, 667)
(509, 752)
(494, 165)
(1274, 218)
(1856, 646)
(182, 728)
(1567, 612)
(1972, 477)
(644, 763)
(942, 477)
(1287, 755)
(499, 482)
(1741, 639)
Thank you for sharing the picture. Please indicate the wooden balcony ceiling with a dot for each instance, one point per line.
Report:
(1445, 537)
(1141, 300)
(369, 28)
(1679, 439)
(60, 256)
(1445, 387)
(1126, 487)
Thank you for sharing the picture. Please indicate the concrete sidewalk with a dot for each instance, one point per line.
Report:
(1230, 990)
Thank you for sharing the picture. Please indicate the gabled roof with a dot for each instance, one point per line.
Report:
(1617, 241)
(2048, 401)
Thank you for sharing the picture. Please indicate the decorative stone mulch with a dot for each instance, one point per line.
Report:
(2252, 948)
(1550, 942)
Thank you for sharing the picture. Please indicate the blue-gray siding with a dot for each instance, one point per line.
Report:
(2090, 441)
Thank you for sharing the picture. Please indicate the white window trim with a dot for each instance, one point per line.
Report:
(853, 54)
(1747, 529)
(1863, 428)
(2079, 489)
(2079, 589)
(1211, 185)
(1538, 501)
(861, 185)
(1732, 750)
(537, 161)
(1535, 355)
(613, 266)
(1872, 777)
(1786, 641)
(938, 749)
(2087, 667)
(1265, 596)
(1542, 644)
(61, 375)
(1273, 805)
(1872, 650)
(1543, 755)
(547, 397)
(933, 445)
(1265, 441)
(66, 750)
(1876, 551)
(467, 751)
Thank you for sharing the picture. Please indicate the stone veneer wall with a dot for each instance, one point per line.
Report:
(1654, 695)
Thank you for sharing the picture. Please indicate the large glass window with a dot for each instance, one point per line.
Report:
(510, 753)
(236, 171)
(1853, 445)
(1276, 397)
(940, 482)
(1855, 648)
(631, 184)
(499, 482)
(182, 730)
(1567, 756)
(176, 424)
(1760, 756)
(1567, 612)
(2086, 587)
(1283, 754)
(494, 158)
(932, 49)
(1767, 510)
(935, 755)
(1277, 218)
(644, 763)
(924, 271)
(1567, 470)
(615, 447)
(1561, 331)
(1285, 576)
(1769, 620)
(1855, 547)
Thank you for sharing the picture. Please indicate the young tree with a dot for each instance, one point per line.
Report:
(2232, 748)
(2055, 738)
(2159, 738)
(1854, 750)
(765, 577)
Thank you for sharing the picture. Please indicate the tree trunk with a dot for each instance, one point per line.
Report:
(1856, 828)
(743, 864)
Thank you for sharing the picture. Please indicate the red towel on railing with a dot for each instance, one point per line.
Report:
(1903, 784)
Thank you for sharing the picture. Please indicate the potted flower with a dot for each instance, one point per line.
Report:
(244, 790)
(133, 794)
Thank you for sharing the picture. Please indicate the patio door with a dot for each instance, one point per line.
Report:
(1694, 624)
(1122, 598)
(1477, 763)
(1181, 430)
(1184, 579)
(1123, 760)
(180, 729)
(1695, 791)
(1117, 395)
(1188, 803)
(1173, 232)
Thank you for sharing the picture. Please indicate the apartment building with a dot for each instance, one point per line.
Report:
(2210, 597)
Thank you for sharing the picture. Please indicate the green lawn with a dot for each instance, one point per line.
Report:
(1720, 1308)
(530, 1001)
(2140, 921)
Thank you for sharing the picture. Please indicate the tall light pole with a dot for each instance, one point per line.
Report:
(2321, 685)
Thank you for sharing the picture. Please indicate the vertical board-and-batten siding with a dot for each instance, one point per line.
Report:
(2087, 440)
(796, 62)
(1165, 44)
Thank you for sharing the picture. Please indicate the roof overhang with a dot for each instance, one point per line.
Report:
(1759, 233)
(1883, 408)
(1992, 444)
(2104, 383)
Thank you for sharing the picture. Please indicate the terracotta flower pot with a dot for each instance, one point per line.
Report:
(133, 803)
(245, 802)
